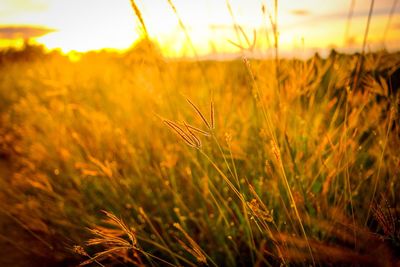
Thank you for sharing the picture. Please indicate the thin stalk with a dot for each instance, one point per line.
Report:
(348, 23)
(153, 243)
(360, 61)
(276, 43)
(189, 40)
(387, 27)
(269, 122)
(143, 213)
(238, 194)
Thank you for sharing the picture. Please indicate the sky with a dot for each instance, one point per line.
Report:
(304, 27)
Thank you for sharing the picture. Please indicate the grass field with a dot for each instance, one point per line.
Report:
(132, 159)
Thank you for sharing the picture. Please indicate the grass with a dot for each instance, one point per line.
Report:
(136, 160)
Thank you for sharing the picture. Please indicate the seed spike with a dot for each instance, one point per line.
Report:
(181, 133)
(194, 138)
(198, 130)
(199, 113)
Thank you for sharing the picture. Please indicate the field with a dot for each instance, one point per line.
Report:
(133, 159)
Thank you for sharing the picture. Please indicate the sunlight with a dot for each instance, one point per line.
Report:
(199, 133)
(92, 25)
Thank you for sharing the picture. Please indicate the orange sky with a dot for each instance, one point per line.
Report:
(304, 26)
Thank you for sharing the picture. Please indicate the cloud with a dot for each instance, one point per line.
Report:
(25, 32)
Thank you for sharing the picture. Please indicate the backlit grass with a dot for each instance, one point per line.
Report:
(199, 163)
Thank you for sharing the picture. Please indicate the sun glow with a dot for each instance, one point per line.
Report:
(94, 25)
(97, 24)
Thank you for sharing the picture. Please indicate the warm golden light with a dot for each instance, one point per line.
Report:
(303, 26)
(199, 133)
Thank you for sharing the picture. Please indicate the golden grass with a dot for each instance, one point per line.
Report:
(263, 176)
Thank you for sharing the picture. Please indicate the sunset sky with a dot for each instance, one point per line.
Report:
(304, 26)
